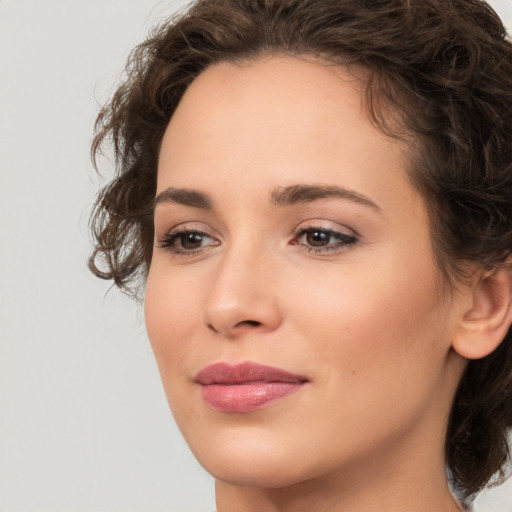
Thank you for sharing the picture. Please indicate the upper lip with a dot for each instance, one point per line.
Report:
(224, 373)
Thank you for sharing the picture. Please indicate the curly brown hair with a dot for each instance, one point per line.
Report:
(445, 66)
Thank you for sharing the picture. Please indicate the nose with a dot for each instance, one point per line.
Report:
(242, 296)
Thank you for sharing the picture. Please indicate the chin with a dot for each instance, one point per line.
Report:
(252, 460)
(263, 474)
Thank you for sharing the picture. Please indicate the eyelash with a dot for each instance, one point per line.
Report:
(344, 241)
(169, 240)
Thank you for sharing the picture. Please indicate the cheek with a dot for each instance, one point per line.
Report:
(379, 324)
(172, 312)
(376, 342)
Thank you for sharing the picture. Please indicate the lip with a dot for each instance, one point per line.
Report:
(245, 387)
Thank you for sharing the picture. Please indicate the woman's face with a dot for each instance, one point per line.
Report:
(293, 303)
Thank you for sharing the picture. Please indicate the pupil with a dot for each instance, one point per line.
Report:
(191, 240)
(317, 238)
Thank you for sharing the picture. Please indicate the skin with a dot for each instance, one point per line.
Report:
(369, 323)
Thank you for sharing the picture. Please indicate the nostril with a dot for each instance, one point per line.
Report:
(232, 329)
(210, 326)
(253, 323)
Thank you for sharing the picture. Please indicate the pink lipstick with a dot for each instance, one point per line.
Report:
(245, 387)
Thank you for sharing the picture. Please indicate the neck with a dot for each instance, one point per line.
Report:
(375, 494)
(406, 476)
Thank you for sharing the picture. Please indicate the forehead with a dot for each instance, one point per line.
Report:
(275, 92)
(283, 120)
(279, 80)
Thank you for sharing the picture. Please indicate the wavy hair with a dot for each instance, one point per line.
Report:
(444, 66)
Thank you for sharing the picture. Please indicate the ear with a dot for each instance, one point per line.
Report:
(487, 319)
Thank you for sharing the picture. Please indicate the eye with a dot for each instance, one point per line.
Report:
(319, 240)
(186, 241)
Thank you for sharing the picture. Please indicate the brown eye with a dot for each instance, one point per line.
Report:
(185, 242)
(318, 238)
(323, 241)
(191, 240)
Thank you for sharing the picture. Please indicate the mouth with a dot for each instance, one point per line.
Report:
(245, 387)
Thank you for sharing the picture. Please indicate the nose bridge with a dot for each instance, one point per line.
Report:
(242, 293)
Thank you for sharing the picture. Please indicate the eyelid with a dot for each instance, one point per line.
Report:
(325, 225)
(188, 226)
(166, 240)
(345, 241)
(339, 238)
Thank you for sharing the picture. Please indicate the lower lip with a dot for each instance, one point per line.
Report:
(246, 397)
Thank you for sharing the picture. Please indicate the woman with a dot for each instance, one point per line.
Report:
(317, 196)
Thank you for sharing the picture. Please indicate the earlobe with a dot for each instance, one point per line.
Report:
(486, 322)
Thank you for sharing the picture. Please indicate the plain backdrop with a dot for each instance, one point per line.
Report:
(84, 422)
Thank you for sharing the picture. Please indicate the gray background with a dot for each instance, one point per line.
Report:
(84, 421)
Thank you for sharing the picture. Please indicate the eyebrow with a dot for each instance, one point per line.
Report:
(282, 196)
(185, 196)
(297, 194)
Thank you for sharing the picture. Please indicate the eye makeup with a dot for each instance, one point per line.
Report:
(321, 240)
(189, 241)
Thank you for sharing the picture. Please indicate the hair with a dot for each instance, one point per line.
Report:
(444, 66)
